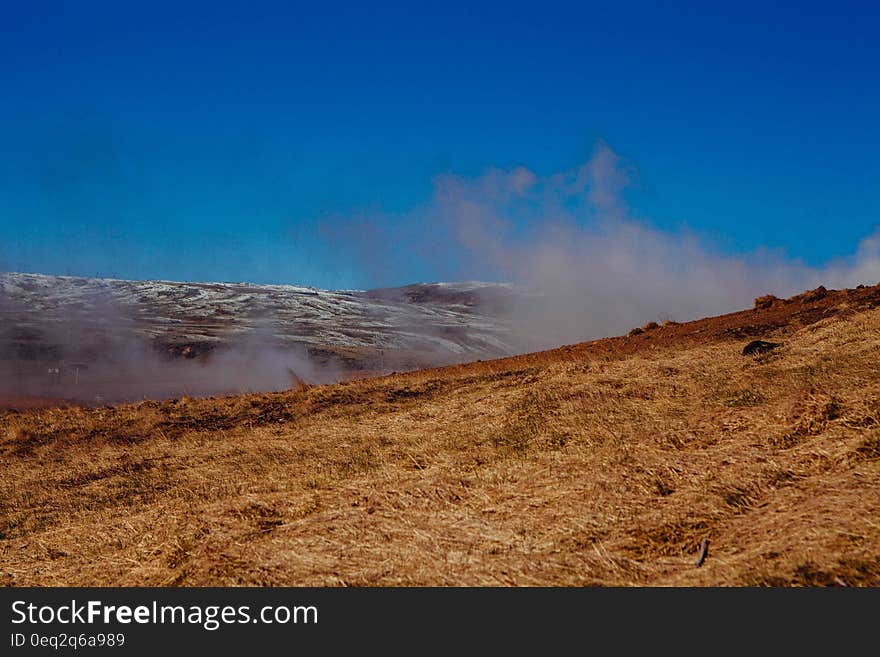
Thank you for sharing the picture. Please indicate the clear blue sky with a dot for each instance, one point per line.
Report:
(207, 141)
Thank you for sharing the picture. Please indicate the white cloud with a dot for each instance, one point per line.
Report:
(598, 271)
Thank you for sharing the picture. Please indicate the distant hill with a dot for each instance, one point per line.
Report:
(113, 338)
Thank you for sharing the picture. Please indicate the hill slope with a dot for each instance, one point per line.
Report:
(602, 463)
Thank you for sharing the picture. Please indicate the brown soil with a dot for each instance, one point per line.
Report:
(22, 403)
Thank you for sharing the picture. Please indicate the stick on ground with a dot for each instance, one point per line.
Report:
(704, 552)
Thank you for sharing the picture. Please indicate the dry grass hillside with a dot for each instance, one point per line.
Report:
(605, 463)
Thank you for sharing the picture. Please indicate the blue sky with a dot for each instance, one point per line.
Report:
(217, 141)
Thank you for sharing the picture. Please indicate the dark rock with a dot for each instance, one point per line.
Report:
(756, 347)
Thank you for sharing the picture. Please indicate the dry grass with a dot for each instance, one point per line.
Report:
(564, 468)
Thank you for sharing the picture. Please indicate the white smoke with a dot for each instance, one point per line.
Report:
(594, 268)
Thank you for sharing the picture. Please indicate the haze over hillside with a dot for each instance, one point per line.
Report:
(128, 339)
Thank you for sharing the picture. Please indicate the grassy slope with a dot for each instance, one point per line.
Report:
(605, 463)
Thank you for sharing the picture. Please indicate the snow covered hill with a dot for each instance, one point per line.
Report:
(49, 319)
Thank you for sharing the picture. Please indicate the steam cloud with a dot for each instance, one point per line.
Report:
(593, 269)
